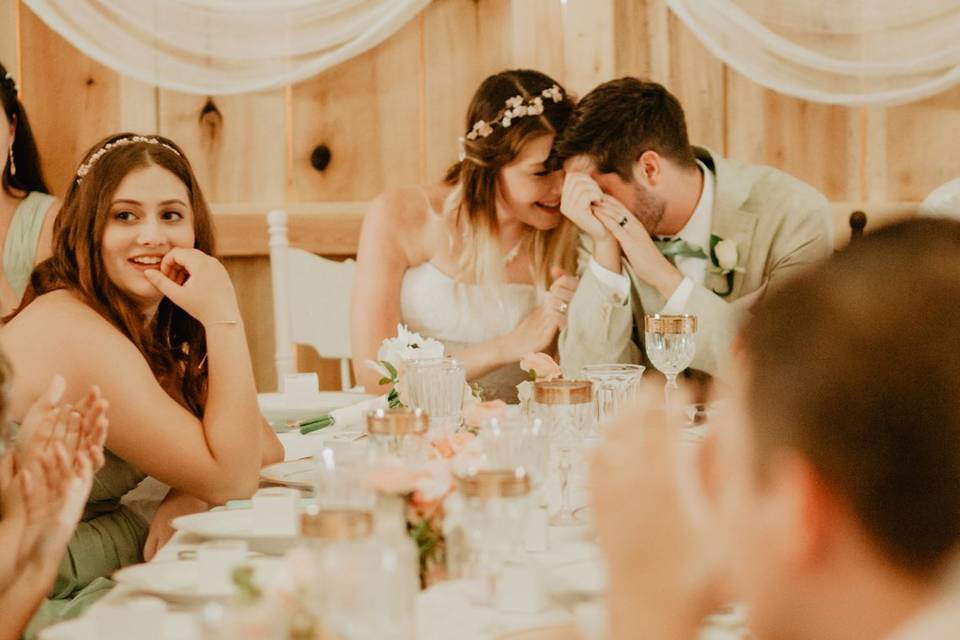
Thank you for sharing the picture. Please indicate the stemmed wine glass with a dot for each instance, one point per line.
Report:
(671, 345)
(566, 409)
(613, 385)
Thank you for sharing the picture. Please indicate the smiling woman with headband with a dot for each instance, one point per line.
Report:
(133, 300)
(27, 210)
(478, 260)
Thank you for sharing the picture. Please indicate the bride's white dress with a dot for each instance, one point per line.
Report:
(461, 315)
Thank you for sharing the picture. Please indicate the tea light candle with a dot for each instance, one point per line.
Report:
(274, 511)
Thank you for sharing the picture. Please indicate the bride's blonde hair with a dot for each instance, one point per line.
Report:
(487, 149)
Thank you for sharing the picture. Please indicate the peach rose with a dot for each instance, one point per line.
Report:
(394, 478)
(448, 446)
(540, 366)
(476, 415)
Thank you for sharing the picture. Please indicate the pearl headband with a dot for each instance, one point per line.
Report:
(121, 142)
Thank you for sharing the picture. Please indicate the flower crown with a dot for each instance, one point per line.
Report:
(121, 142)
(515, 107)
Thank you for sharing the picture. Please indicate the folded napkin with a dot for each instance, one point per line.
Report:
(354, 415)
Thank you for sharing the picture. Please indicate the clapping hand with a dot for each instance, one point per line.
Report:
(46, 478)
(79, 428)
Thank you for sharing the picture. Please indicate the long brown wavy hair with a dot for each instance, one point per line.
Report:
(173, 342)
(473, 200)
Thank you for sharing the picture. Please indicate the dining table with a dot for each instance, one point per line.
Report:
(567, 582)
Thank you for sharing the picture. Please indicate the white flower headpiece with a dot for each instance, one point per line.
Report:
(515, 107)
(102, 151)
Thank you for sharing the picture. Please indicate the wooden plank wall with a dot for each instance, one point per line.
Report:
(392, 116)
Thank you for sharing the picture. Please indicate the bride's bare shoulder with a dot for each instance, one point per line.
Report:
(409, 209)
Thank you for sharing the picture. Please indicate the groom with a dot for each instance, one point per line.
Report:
(672, 229)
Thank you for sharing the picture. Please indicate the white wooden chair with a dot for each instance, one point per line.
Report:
(311, 302)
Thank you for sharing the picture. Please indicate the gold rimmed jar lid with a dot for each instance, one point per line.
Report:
(563, 392)
(670, 324)
(494, 483)
(397, 422)
(335, 524)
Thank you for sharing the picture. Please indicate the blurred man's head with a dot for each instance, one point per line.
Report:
(846, 459)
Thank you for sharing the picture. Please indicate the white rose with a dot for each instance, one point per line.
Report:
(726, 252)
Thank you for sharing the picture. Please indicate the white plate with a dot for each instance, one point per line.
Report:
(179, 580)
(293, 473)
(233, 524)
(585, 579)
(283, 406)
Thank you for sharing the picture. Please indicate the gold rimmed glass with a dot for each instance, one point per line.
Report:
(671, 345)
(566, 409)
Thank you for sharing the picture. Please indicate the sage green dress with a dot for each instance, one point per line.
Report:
(20, 246)
(109, 536)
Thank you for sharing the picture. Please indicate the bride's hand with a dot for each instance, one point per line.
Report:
(539, 329)
(197, 283)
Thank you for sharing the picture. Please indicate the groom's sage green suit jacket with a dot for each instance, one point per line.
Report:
(780, 225)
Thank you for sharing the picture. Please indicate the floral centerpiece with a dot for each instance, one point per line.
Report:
(424, 488)
(278, 608)
(393, 352)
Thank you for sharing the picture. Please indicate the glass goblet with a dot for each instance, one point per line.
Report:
(671, 345)
(566, 409)
(613, 385)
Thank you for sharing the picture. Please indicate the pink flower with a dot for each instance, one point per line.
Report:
(476, 415)
(434, 483)
(394, 478)
(541, 366)
(448, 446)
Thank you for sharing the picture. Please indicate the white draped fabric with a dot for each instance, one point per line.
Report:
(224, 46)
(849, 52)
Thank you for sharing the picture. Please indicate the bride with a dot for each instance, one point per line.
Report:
(478, 261)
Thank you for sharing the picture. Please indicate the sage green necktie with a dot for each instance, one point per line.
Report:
(678, 248)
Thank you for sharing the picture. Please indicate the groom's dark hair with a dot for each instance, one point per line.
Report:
(855, 364)
(620, 120)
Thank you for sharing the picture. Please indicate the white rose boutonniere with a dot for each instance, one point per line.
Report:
(724, 259)
(726, 254)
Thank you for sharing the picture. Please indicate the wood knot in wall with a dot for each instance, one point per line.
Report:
(211, 123)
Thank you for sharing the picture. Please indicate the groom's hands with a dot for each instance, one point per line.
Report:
(580, 194)
(647, 261)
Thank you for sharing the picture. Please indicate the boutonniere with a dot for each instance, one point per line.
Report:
(724, 257)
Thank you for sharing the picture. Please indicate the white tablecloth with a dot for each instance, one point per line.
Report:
(453, 607)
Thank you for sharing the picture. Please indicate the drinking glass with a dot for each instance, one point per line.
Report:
(399, 434)
(341, 480)
(436, 385)
(495, 507)
(671, 344)
(566, 408)
(613, 385)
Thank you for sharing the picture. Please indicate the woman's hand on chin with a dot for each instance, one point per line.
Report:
(197, 283)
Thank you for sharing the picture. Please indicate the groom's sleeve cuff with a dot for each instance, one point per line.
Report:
(678, 301)
(616, 285)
